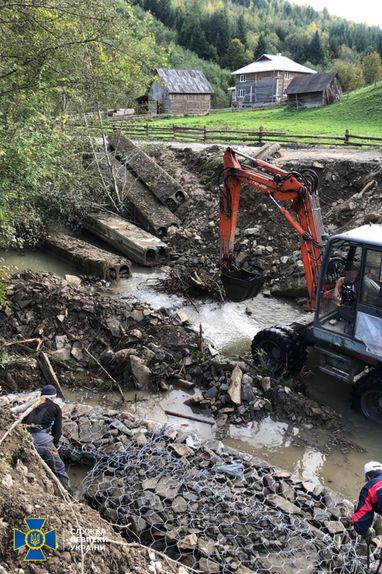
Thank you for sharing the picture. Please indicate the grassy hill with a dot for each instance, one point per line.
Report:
(359, 111)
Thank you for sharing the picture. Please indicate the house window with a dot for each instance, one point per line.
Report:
(240, 93)
(287, 75)
(243, 78)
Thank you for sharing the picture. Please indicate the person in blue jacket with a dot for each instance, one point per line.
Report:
(370, 501)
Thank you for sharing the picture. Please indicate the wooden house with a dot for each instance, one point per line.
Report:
(314, 91)
(180, 92)
(266, 80)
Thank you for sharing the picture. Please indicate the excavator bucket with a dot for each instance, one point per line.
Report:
(240, 284)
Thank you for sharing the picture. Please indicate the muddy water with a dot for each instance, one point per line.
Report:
(230, 326)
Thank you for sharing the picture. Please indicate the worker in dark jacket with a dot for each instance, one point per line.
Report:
(370, 501)
(45, 424)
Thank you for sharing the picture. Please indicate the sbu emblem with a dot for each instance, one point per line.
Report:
(34, 539)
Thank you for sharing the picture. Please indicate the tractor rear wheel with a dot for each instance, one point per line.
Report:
(366, 396)
(279, 350)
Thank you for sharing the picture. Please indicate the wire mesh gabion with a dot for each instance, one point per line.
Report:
(214, 509)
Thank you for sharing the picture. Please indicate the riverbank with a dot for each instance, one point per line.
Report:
(207, 506)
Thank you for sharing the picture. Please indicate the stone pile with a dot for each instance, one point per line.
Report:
(240, 395)
(210, 507)
(82, 328)
(27, 491)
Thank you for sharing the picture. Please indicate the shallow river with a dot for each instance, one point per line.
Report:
(231, 326)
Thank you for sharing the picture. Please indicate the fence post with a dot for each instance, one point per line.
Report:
(347, 137)
(173, 131)
(261, 131)
(205, 134)
(147, 130)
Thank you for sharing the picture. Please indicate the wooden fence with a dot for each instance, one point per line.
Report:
(226, 136)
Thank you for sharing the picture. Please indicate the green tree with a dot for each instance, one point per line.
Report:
(316, 51)
(60, 58)
(350, 75)
(261, 47)
(372, 68)
(237, 56)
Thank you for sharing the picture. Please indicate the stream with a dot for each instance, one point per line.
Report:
(230, 327)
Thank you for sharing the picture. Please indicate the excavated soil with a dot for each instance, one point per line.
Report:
(263, 237)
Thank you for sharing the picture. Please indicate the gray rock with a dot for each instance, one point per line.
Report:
(211, 393)
(188, 542)
(334, 527)
(149, 500)
(167, 488)
(321, 515)
(179, 504)
(117, 424)
(208, 566)
(283, 504)
(141, 373)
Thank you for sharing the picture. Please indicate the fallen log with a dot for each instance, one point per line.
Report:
(90, 259)
(140, 246)
(267, 151)
(143, 206)
(163, 186)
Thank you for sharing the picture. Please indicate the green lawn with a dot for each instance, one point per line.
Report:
(359, 111)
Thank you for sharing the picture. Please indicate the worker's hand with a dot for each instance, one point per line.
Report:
(369, 535)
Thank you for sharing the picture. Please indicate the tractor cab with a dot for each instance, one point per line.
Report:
(347, 328)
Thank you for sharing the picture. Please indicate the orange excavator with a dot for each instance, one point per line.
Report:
(298, 191)
(343, 278)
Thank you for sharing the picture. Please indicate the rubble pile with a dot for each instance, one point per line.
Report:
(210, 507)
(27, 491)
(82, 329)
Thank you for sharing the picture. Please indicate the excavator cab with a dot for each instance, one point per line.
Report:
(346, 332)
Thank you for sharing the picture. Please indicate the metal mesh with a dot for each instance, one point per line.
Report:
(218, 511)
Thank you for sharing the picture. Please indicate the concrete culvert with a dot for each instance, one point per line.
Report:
(162, 231)
(162, 255)
(124, 272)
(151, 257)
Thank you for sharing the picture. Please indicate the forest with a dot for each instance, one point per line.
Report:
(233, 33)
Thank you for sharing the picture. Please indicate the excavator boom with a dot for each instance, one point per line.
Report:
(298, 191)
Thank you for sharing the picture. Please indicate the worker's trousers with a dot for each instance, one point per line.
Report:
(43, 442)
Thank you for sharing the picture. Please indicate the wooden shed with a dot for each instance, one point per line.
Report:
(177, 91)
(314, 91)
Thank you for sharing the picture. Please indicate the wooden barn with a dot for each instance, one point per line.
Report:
(314, 91)
(266, 80)
(180, 92)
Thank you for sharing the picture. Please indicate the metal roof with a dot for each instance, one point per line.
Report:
(184, 81)
(271, 63)
(311, 83)
(366, 234)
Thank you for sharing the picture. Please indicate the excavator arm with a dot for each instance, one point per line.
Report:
(298, 191)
